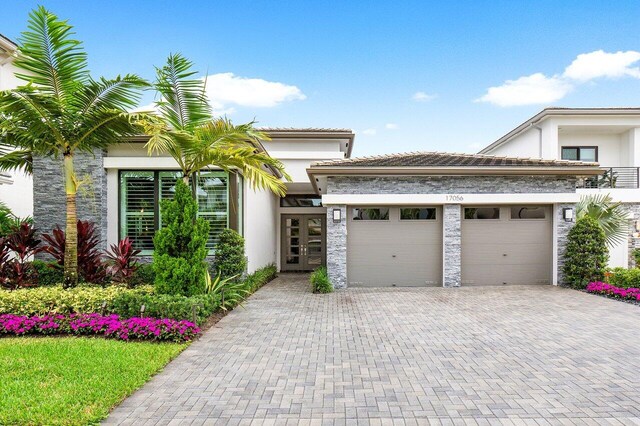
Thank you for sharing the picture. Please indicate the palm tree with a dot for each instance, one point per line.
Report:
(611, 216)
(196, 140)
(62, 110)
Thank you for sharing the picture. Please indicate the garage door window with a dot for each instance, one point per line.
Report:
(372, 213)
(528, 212)
(428, 213)
(482, 213)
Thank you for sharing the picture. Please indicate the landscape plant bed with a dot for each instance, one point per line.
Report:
(629, 295)
(73, 380)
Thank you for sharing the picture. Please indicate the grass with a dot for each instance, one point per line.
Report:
(70, 380)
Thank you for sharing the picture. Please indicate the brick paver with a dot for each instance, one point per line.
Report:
(508, 355)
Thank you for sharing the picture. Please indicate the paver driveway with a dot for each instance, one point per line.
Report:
(540, 354)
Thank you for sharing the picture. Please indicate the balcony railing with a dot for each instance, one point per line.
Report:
(614, 177)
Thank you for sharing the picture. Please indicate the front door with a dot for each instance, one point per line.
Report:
(303, 242)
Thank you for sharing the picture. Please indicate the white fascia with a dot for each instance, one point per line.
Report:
(427, 199)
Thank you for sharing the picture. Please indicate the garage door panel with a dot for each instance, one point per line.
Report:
(394, 252)
(507, 251)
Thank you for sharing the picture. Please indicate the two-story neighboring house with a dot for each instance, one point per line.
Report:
(15, 188)
(609, 136)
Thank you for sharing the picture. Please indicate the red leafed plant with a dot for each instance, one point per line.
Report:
(122, 261)
(90, 266)
(5, 259)
(23, 243)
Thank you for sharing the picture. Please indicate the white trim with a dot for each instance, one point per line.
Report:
(622, 195)
(140, 163)
(554, 250)
(464, 199)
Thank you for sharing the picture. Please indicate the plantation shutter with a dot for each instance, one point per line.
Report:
(167, 188)
(137, 215)
(213, 203)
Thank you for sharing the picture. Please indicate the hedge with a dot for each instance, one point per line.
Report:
(624, 278)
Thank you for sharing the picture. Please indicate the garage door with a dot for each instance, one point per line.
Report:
(394, 246)
(506, 245)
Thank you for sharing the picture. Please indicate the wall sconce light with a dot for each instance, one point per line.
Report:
(567, 214)
(637, 228)
(337, 215)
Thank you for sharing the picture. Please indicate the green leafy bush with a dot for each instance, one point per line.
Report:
(48, 273)
(320, 281)
(636, 256)
(230, 258)
(55, 299)
(260, 277)
(625, 278)
(165, 306)
(586, 256)
(180, 246)
(144, 275)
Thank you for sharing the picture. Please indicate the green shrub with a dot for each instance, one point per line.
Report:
(144, 274)
(260, 277)
(230, 258)
(586, 256)
(55, 299)
(626, 278)
(320, 281)
(48, 273)
(180, 246)
(636, 256)
(165, 306)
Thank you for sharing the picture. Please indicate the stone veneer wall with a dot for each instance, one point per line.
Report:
(634, 240)
(337, 247)
(452, 241)
(449, 184)
(336, 233)
(49, 201)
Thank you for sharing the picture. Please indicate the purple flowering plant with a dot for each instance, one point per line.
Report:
(111, 326)
(613, 291)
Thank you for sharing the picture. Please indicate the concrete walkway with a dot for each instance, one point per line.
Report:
(508, 355)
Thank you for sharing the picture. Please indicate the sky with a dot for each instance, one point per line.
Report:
(404, 75)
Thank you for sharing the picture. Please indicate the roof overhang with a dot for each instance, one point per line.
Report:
(558, 112)
(346, 136)
(317, 174)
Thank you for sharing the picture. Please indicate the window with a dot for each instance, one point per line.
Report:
(580, 153)
(295, 200)
(428, 213)
(142, 191)
(376, 213)
(528, 212)
(482, 213)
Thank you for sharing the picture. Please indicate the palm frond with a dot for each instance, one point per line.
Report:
(183, 101)
(103, 127)
(610, 215)
(17, 160)
(118, 93)
(53, 61)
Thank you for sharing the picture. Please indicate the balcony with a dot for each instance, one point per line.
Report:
(613, 177)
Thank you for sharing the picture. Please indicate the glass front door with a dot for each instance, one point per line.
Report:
(303, 242)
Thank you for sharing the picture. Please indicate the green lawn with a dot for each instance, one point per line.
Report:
(73, 381)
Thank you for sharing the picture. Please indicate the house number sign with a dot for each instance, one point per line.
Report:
(456, 198)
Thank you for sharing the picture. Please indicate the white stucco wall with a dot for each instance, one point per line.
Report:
(260, 227)
(610, 146)
(526, 145)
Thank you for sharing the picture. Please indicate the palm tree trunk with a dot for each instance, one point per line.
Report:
(71, 243)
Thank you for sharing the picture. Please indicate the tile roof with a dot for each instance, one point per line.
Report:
(445, 159)
(304, 129)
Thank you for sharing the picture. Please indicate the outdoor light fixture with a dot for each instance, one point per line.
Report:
(637, 228)
(337, 215)
(567, 214)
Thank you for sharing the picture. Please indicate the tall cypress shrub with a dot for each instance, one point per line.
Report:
(230, 257)
(586, 256)
(180, 247)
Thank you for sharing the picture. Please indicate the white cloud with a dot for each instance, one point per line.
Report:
(588, 66)
(369, 132)
(475, 146)
(533, 89)
(423, 97)
(226, 89)
(391, 126)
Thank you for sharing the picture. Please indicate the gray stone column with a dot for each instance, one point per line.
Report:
(49, 201)
(633, 239)
(452, 245)
(337, 247)
(562, 229)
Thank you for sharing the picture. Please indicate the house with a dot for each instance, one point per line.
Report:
(15, 188)
(609, 136)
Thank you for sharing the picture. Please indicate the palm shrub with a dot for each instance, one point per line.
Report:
(610, 215)
(320, 281)
(586, 255)
(180, 246)
(230, 259)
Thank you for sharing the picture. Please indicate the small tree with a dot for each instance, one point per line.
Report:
(586, 256)
(180, 247)
(230, 257)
